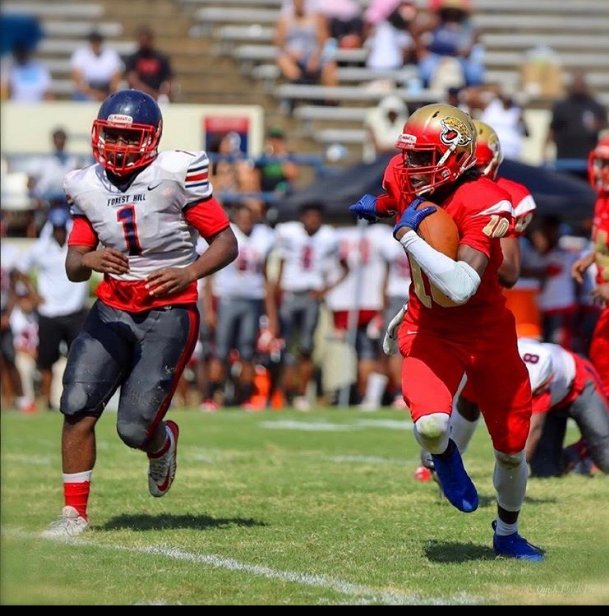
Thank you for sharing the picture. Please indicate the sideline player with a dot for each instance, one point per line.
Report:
(137, 214)
(598, 170)
(457, 321)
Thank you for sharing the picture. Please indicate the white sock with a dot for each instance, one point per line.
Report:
(503, 528)
(510, 479)
(77, 477)
(375, 388)
(461, 430)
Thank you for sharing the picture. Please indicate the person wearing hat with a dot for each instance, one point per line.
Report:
(383, 123)
(63, 304)
(96, 70)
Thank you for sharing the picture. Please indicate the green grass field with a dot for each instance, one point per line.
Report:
(287, 508)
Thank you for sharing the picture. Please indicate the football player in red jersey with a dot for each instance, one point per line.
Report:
(457, 321)
(137, 215)
(598, 172)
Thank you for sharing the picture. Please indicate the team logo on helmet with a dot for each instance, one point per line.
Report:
(454, 132)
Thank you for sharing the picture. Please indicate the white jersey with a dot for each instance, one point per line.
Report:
(398, 277)
(361, 248)
(549, 366)
(146, 220)
(307, 258)
(244, 277)
(60, 296)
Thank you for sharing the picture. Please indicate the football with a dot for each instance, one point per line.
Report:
(439, 230)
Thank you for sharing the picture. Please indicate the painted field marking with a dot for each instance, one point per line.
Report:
(363, 593)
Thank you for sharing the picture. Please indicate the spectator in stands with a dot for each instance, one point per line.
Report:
(45, 178)
(383, 123)
(576, 123)
(233, 174)
(506, 117)
(96, 70)
(25, 79)
(390, 33)
(276, 170)
(47, 172)
(62, 310)
(150, 70)
(301, 38)
(450, 36)
(345, 22)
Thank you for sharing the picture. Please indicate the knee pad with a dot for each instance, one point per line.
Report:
(77, 398)
(431, 431)
(509, 460)
(133, 434)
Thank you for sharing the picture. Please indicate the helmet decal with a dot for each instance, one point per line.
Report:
(120, 119)
(454, 132)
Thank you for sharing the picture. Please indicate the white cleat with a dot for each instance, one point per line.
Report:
(161, 471)
(70, 524)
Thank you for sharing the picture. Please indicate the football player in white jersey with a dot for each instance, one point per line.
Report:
(307, 249)
(137, 214)
(564, 385)
(243, 293)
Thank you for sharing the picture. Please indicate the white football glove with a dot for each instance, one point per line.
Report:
(390, 343)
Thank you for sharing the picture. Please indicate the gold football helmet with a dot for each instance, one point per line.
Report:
(438, 144)
(488, 149)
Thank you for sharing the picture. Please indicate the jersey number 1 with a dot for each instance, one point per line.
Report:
(126, 216)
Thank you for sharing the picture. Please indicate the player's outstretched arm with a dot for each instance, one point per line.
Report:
(372, 208)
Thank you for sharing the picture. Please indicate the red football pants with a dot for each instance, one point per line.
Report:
(497, 377)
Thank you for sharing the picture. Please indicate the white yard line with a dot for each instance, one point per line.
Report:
(358, 459)
(306, 425)
(365, 594)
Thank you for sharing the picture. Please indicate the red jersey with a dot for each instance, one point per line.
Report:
(600, 237)
(483, 214)
(522, 202)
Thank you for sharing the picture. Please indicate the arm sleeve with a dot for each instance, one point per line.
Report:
(207, 217)
(456, 279)
(82, 233)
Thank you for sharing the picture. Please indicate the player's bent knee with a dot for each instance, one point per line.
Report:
(133, 434)
(431, 431)
(76, 400)
(509, 460)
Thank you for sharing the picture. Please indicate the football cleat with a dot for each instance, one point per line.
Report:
(454, 481)
(70, 524)
(515, 546)
(161, 471)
